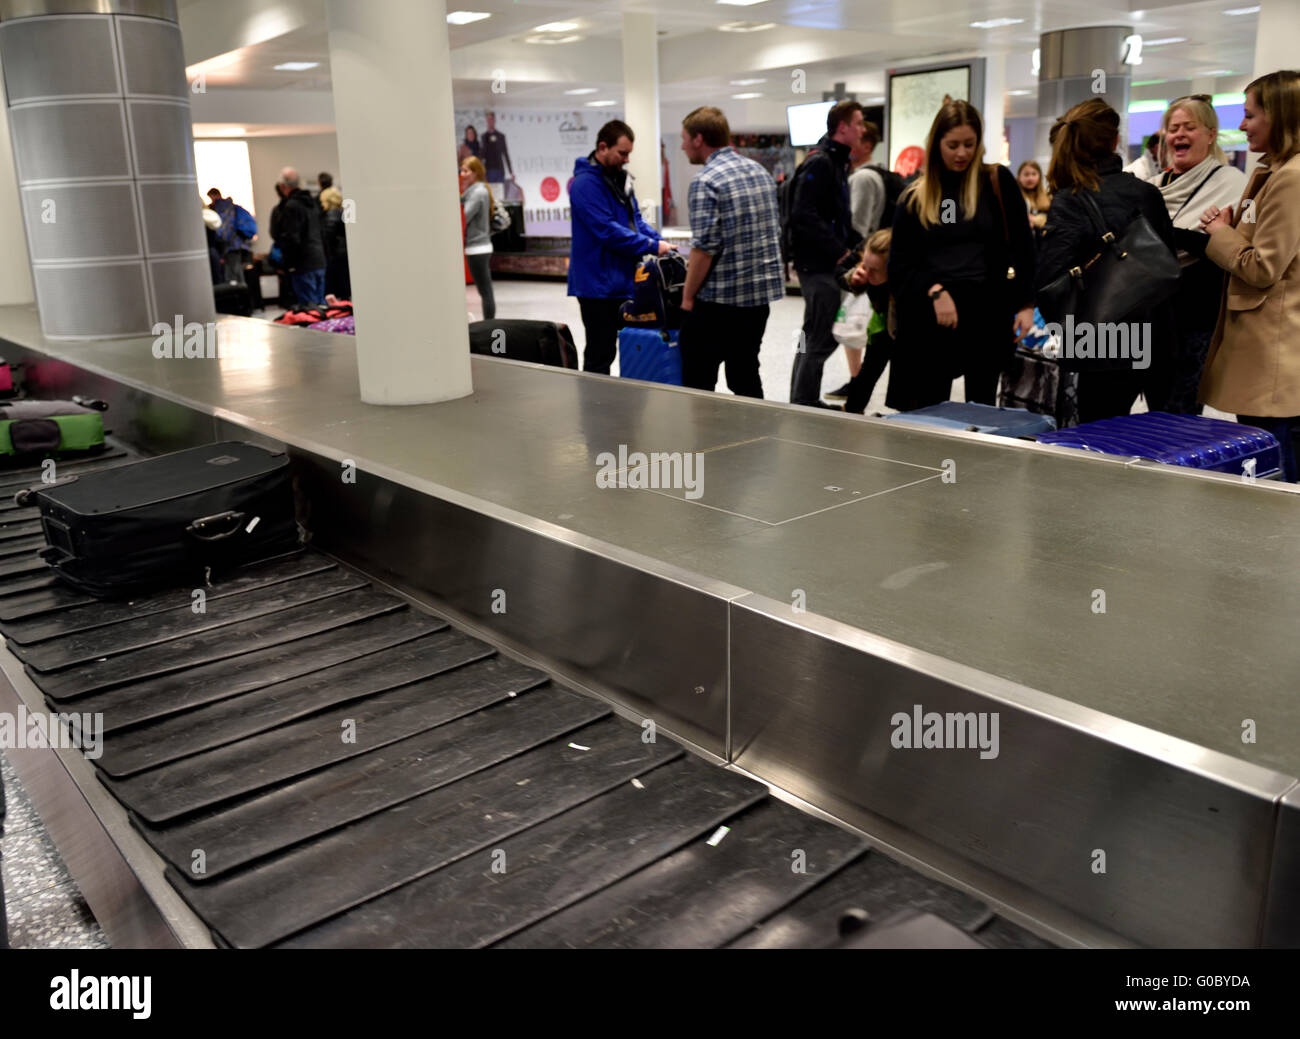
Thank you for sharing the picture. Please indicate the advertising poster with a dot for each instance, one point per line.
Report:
(914, 98)
(529, 156)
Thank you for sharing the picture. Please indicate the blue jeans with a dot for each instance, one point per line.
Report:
(308, 286)
(1282, 428)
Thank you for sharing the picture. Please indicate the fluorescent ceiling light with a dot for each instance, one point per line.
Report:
(556, 27)
(746, 82)
(1218, 72)
(996, 23)
(746, 97)
(296, 66)
(746, 26)
(581, 90)
(1147, 106)
(1148, 82)
(600, 104)
(1164, 40)
(465, 17)
(551, 39)
(1233, 12)
(742, 3)
(1019, 93)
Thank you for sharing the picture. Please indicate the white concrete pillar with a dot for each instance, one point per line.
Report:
(995, 97)
(15, 268)
(641, 108)
(1276, 36)
(397, 168)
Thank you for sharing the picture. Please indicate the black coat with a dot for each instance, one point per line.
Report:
(821, 224)
(917, 254)
(296, 229)
(1070, 239)
(334, 233)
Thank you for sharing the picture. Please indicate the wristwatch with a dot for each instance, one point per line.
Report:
(938, 292)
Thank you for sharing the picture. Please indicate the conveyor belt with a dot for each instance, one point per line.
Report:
(321, 764)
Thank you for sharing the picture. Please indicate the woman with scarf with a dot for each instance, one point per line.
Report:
(1199, 176)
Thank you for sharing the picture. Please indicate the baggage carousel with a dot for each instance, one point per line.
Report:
(772, 624)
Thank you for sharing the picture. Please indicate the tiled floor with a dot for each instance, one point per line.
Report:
(45, 909)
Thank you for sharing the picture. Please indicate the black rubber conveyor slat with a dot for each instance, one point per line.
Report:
(704, 896)
(22, 546)
(181, 621)
(30, 476)
(252, 764)
(180, 654)
(455, 815)
(26, 583)
(21, 566)
(173, 693)
(879, 886)
(65, 612)
(12, 531)
(190, 732)
(547, 867)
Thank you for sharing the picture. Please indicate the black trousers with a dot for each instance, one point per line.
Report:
(879, 350)
(602, 319)
(1108, 394)
(714, 334)
(821, 302)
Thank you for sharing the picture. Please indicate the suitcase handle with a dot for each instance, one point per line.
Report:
(24, 497)
(233, 521)
(91, 402)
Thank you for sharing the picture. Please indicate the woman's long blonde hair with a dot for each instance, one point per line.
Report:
(475, 165)
(925, 196)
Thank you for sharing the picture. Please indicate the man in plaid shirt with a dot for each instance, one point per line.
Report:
(735, 268)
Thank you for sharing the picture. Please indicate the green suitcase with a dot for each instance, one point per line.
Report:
(42, 427)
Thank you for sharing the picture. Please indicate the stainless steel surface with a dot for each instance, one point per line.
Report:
(12, 9)
(120, 876)
(1282, 922)
(996, 576)
(813, 711)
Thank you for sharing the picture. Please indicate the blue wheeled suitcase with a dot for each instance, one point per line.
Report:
(1188, 440)
(978, 418)
(649, 354)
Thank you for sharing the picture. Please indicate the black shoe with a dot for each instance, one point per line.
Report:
(841, 394)
(824, 406)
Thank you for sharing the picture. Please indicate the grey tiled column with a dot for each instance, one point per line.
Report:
(99, 116)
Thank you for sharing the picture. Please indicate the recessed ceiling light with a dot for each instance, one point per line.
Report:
(746, 97)
(1233, 12)
(600, 104)
(996, 23)
(746, 26)
(557, 27)
(1164, 40)
(296, 66)
(465, 17)
(581, 90)
(746, 82)
(551, 39)
(1019, 93)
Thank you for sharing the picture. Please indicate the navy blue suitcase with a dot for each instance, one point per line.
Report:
(978, 418)
(1188, 440)
(650, 354)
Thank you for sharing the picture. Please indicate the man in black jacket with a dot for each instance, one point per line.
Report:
(822, 239)
(296, 229)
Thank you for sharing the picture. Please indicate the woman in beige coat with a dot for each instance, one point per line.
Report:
(1253, 368)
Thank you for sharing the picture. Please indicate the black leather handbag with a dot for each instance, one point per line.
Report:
(1128, 273)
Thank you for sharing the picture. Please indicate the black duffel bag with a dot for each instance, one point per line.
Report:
(1129, 273)
(173, 519)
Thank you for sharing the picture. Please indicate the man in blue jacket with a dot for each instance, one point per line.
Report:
(609, 239)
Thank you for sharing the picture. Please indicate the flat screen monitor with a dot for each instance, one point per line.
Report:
(807, 122)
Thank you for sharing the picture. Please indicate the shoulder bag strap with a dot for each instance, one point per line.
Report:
(992, 171)
(1196, 191)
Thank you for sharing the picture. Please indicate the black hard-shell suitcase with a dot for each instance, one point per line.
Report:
(167, 520)
(542, 342)
(233, 298)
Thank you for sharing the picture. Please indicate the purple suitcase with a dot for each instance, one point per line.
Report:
(1188, 440)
